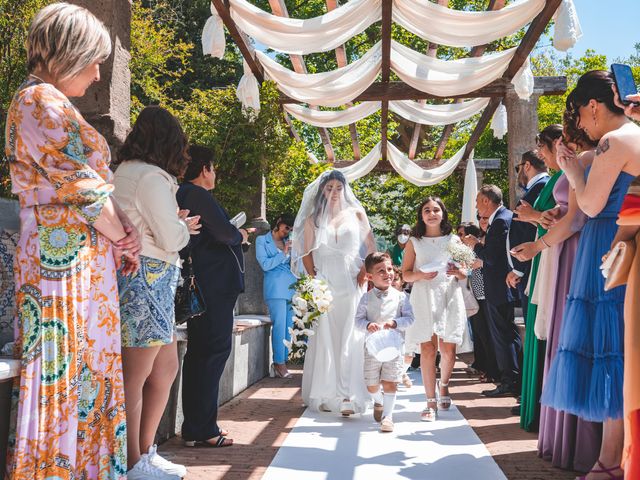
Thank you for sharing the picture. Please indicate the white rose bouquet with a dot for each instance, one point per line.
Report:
(460, 254)
(311, 300)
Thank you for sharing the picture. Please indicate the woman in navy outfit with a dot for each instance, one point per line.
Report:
(218, 266)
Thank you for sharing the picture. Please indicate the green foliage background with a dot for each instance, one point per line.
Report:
(168, 69)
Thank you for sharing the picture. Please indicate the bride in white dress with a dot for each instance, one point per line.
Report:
(332, 239)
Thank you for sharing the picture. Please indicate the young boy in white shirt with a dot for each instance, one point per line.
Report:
(383, 307)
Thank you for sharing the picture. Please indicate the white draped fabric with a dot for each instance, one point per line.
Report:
(470, 193)
(333, 118)
(567, 29)
(417, 175)
(446, 78)
(330, 89)
(426, 114)
(431, 75)
(301, 37)
(459, 28)
(499, 122)
(248, 92)
(362, 166)
(213, 40)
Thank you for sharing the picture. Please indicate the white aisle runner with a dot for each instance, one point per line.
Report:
(325, 446)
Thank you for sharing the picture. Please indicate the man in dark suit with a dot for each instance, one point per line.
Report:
(499, 296)
(532, 177)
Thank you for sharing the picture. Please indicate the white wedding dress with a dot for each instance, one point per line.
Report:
(333, 365)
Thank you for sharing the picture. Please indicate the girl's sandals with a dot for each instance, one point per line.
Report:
(215, 442)
(430, 414)
(444, 401)
(608, 471)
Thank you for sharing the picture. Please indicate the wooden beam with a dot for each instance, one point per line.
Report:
(529, 40)
(237, 36)
(385, 33)
(432, 50)
(379, 91)
(278, 7)
(341, 59)
(477, 51)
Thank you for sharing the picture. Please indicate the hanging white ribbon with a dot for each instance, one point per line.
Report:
(301, 37)
(499, 122)
(426, 114)
(213, 41)
(362, 166)
(446, 78)
(330, 89)
(333, 118)
(422, 177)
(248, 92)
(460, 28)
(567, 30)
(470, 192)
(523, 81)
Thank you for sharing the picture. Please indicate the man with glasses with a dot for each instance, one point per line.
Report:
(532, 177)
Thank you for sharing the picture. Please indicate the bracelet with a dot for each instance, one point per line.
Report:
(546, 245)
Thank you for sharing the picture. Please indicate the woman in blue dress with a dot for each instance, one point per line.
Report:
(585, 377)
(272, 252)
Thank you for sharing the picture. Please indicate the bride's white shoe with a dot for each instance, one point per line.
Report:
(346, 408)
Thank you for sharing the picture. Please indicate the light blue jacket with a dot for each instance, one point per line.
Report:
(277, 270)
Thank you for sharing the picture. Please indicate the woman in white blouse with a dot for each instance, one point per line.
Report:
(153, 155)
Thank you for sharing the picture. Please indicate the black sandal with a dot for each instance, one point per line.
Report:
(219, 443)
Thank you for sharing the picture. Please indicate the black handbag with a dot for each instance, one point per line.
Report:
(189, 300)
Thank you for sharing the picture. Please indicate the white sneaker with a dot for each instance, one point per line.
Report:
(165, 465)
(143, 470)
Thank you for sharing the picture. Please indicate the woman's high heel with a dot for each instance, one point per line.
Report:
(274, 372)
(444, 401)
(430, 414)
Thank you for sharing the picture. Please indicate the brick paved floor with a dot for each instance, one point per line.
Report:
(260, 418)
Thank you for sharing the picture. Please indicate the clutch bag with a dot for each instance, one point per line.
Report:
(617, 265)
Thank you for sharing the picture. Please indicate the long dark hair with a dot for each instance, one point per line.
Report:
(320, 202)
(594, 85)
(157, 138)
(549, 134)
(420, 228)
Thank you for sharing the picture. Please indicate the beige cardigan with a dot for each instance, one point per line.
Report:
(147, 194)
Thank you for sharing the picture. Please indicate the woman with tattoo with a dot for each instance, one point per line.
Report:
(585, 378)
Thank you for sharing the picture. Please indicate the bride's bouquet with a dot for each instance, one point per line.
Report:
(460, 254)
(310, 301)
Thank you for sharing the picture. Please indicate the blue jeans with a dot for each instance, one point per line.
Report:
(281, 315)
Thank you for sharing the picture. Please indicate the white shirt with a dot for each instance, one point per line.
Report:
(147, 194)
(534, 180)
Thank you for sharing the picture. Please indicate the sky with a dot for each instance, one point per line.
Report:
(608, 27)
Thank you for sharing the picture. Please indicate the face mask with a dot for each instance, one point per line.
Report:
(403, 238)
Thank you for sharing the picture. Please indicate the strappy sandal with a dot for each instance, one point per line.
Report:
(603, 469)
(430, 414)
(221, 442)
(444, 401)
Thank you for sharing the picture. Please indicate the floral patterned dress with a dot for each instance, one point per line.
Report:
(68, 416)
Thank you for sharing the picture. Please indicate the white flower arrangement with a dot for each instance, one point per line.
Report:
(460, 254)
(311, 300)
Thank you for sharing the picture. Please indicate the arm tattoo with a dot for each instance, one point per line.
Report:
(602, 147)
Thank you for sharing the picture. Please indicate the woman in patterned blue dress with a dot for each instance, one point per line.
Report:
(585, 378)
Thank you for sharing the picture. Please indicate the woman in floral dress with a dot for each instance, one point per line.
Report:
(69, 418)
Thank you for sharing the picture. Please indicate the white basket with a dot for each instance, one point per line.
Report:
(385, 345)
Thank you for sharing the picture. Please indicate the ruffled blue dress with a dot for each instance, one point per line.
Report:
(585, 378)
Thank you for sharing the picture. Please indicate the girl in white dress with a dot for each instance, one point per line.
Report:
(332, 239)
(436, 298)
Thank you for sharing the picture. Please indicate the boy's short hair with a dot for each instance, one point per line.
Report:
(375, 258)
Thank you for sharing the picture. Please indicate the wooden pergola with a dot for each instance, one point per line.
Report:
(386, 90)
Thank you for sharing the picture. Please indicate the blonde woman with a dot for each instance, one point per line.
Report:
(70, 418)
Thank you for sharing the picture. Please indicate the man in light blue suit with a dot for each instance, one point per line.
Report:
(272, 253)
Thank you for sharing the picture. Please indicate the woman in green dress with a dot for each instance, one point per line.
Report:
(534, 349)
